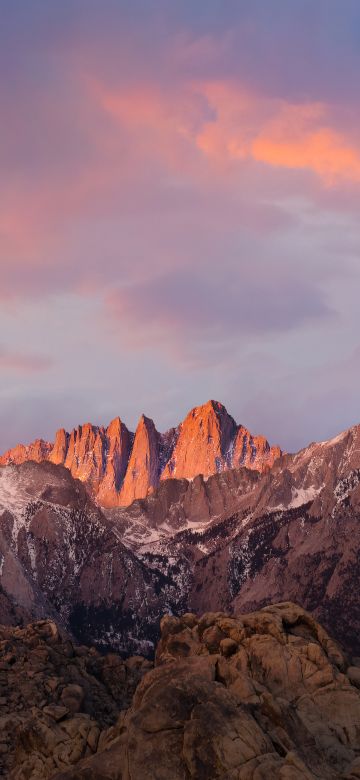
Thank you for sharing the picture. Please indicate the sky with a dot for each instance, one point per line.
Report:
(179, 214)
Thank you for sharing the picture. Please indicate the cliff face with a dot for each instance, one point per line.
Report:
(118, 443)
(142, 473)
(119, 467)
(254, 452)
(210, 441)
(204, 443)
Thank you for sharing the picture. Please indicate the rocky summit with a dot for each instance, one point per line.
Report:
(248, 697)
(119, 466)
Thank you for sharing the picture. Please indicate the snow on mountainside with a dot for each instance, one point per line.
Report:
(235, 540)
(180, 505)
(119, 466)
(61, 557)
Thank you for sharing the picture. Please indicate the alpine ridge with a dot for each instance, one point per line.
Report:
(118, 466)
(231, 542)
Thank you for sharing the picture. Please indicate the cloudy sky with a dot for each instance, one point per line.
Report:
(179, 213)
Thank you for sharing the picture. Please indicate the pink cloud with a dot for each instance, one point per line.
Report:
(203, 142)
(23, 363)
(228, 122)
(302, 137)
(293, 136)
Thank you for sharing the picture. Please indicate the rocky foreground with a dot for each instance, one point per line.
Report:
(257, 696)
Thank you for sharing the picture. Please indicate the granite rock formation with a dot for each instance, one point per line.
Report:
(118, 466)
(58, 701)
(252, 697)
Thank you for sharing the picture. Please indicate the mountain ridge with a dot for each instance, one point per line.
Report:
(234, 541)
(119, 466)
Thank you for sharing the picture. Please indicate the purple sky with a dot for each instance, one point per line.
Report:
(179, 214)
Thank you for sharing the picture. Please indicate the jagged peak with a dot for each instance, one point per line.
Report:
(145, 422)
(115, 427)
(210, 407)
(207, 441)
(61, 432)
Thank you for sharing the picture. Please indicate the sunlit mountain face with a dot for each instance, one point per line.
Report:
(118, 466)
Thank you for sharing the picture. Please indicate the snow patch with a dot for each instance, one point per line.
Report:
(32, 556)
(335, 440)
(302, 496)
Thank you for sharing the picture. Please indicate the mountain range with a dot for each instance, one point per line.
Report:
(235, 540)
(119, 466)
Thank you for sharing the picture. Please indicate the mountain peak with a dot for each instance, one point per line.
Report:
(142, 474)
(114, 426)
(210, 407)
(119, 466)
(204, 439)
(146, 422)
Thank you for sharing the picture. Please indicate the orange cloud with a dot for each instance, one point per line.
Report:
(294, 136)
(137, 133)
(325, 152)
(227, 122)
(301, 137)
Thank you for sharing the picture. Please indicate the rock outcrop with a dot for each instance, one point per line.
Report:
(58, 701)
(142, 473)
(118, 466)
(209, 441)
(252, 697)
(118, 449)
(38, 451)
(204, 443)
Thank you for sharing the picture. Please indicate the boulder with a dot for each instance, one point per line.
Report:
(277, 702)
